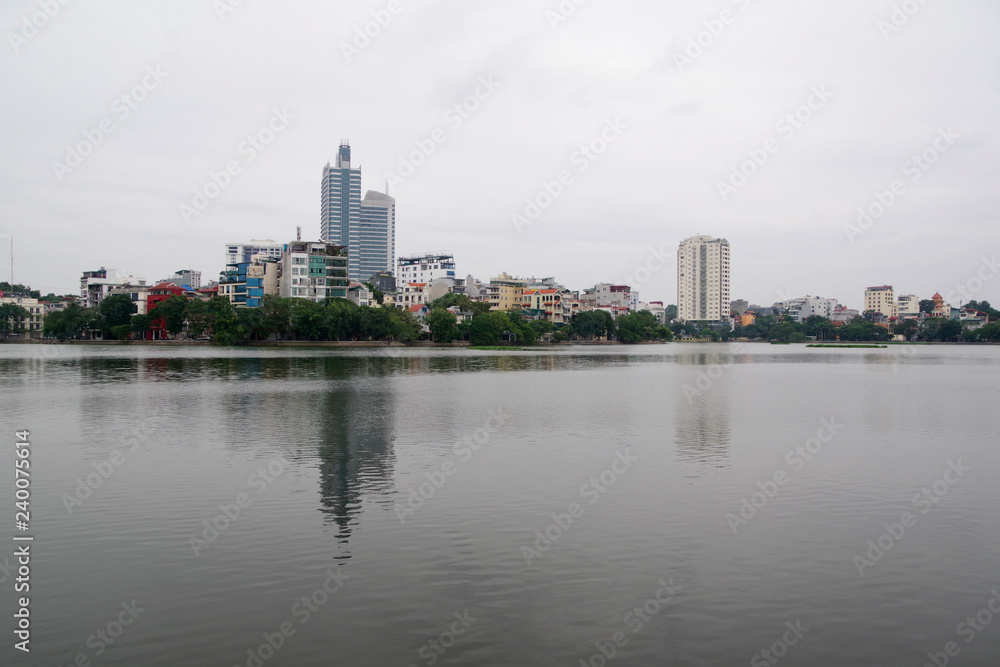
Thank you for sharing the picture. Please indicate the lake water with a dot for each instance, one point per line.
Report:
(680, 504)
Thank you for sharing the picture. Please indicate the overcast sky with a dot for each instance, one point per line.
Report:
(199, 77)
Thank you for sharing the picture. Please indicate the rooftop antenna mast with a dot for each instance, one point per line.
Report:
(298, 233)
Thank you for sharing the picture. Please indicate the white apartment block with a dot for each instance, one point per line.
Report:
(881, 299)
(703, 289)
(313, 271)
(36, 312)
(96, 285)
(138, 294)
(237, 253)
(907, 305)
(425, 268)
(604, 295)
(802, 308)
(654, 307)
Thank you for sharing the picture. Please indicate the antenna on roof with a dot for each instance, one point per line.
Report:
(298, 233)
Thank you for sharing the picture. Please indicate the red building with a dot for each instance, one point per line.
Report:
(158, 294)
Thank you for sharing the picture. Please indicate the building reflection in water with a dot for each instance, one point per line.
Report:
(336, 413)
(702, 415)
(356, 423)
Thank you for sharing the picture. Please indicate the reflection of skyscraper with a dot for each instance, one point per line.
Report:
(334, 413)
(702, 416)
(355, 450)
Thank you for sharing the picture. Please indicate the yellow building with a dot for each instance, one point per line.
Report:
(543, 304)
(505, 292)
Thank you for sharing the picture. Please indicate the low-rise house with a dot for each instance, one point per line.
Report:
(32, 324)
(411, 294)
(358, 294)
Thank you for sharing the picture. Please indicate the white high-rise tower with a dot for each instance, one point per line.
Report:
(703, 291)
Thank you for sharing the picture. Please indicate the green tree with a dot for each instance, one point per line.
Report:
(376, 293)
(12, 318)
(593, 324)
(926, 305)
(121, 332)
(485, 330)
(173, 312)
(115, 311)
(671, 312)
(277, 314)
(443, 325)
(376, 323)
(70, 322)
(140, 324)
(307, 320)
(340, 319)
(906, 328)
(990, 332)
(541, 327)
(19, 290)
(405, 327)
(819, 326)
(639, 326)
(463, 302)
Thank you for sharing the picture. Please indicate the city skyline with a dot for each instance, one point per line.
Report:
(797, 170)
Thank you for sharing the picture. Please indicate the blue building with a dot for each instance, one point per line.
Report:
(246, 283)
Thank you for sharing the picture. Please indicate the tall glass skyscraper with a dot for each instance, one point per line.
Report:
(367, 228)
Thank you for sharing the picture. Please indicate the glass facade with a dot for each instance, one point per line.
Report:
(365, 227)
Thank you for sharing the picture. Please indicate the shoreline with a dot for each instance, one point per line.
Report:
(428, 344)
